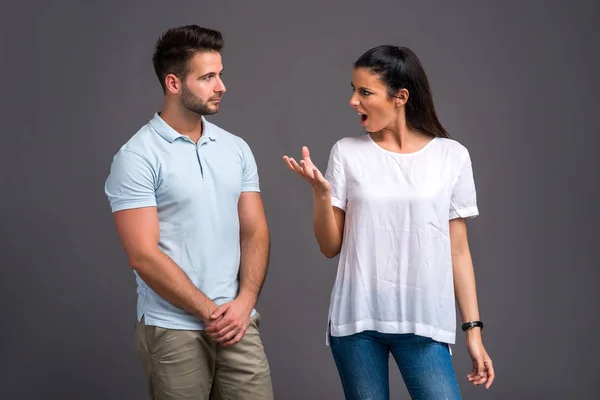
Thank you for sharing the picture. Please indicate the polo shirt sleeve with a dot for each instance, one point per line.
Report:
(463, 201)
(250, 181)
(130, 183)
(336, 177)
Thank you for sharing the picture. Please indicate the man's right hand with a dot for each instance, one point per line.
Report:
(206, 312)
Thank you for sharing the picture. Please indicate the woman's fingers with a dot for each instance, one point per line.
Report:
(288, 163)
(306, 156)
(307, 169)
(295, 166)
(318, 175)
(302, 169)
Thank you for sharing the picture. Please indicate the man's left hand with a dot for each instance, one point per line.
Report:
(229, 322)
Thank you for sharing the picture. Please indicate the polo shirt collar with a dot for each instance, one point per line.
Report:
(170, 134)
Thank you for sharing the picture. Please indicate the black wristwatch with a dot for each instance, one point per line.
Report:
(468, 325)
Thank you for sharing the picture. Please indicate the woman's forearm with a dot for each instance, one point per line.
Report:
(465, 290)
(464, 275)
(328, 227)
(464, 286)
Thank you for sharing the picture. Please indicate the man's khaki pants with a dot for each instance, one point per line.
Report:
(190, 365)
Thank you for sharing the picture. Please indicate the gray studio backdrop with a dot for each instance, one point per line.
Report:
(514, 81)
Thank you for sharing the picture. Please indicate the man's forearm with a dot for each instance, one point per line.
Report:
(169, 281)
(254, 261)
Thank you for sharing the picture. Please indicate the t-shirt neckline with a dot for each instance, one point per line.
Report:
(401, 154)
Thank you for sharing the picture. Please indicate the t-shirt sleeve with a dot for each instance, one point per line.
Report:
(463, 201)
(250, 181)
(336, 178)
(130, 183)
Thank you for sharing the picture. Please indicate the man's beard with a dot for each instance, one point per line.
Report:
(194, 104)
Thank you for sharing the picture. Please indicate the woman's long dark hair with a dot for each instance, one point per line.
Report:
(400, 68)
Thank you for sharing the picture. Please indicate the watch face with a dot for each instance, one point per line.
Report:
(471, 324)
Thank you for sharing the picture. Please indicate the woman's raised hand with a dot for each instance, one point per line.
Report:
(308, 171)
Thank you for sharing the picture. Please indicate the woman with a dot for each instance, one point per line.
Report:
(393, 205)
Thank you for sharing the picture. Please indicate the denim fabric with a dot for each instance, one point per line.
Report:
(425, 365)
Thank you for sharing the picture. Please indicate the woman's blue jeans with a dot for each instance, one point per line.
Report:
(425, 365)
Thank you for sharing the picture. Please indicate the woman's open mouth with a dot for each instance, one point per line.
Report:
(363, 119)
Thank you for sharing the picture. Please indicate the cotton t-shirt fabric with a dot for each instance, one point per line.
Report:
(395, 266)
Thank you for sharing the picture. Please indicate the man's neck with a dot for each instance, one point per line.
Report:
(183, 121)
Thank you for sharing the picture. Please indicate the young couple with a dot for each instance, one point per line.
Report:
(392, 204)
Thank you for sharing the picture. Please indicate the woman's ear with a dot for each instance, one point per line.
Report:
(401, 97)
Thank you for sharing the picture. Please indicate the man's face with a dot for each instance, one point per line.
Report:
(203, 88)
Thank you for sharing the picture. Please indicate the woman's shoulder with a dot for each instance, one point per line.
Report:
(348, 143)
(452, 147)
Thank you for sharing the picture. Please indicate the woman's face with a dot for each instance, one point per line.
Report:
(376, 110)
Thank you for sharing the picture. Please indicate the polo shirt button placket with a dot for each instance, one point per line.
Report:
(201, 143)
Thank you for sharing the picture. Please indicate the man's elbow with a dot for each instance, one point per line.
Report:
(259, 236)
(139, 260)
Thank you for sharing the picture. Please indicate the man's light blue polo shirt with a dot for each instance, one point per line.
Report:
(196, 188)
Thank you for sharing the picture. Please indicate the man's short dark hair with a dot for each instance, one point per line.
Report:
(177, 46)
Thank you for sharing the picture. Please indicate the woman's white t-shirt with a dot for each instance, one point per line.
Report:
(395, 267)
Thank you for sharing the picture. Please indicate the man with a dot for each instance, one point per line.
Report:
(185, 198)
